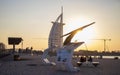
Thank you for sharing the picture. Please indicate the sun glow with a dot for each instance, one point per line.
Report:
(85, 35)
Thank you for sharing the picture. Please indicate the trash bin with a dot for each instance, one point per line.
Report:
(16, 57)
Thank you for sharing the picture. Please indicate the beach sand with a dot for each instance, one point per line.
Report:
(32, 65)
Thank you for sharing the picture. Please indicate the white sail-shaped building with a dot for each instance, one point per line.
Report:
(55, 40)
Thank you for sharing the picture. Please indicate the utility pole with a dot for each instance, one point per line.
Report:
(104, 42)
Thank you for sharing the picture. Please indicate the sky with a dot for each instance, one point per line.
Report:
(31, 20)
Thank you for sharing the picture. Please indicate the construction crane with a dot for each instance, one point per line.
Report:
(104, 42)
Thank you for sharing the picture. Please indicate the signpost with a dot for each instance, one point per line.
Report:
(14, 41)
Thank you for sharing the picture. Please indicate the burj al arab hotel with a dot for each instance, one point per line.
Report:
(55, 39)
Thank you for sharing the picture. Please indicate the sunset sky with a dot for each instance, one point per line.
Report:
(31, 20)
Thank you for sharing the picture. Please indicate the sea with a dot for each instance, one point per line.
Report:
(105, 57)
(111, 57)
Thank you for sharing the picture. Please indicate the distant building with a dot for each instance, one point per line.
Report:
(2, 46)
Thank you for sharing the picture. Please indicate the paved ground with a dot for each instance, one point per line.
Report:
(32, 65)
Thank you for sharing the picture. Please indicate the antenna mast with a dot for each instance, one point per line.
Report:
(62, 14)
